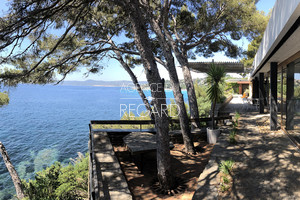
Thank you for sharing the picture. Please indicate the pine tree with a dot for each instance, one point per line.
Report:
(201, 28)
(58, 36)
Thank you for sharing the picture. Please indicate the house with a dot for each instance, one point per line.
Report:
(276, 68)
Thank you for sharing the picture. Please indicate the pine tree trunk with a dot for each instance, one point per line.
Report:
(188, 80)
(182, 114)
(142, 40)
(13, 173)
(181, 56)
(136, 83)
(170, 66)
(191, 94)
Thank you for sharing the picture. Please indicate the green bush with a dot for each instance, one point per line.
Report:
(224, 187)
(225, 180)
(226, 167)
(237, 116)
(235, 121)
(203, 102)
(234, 87)
(4, 99)
(172, 113)
(58, 182)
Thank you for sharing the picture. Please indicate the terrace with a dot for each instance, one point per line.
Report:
(266, 159)
(266, 162)
(106, 179)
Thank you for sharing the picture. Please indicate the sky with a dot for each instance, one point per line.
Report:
(113, 70)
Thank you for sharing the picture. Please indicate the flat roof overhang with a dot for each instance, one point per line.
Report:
(229, 67)
(281, 41)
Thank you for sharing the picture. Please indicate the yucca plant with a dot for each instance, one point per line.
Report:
(226, 166)
(215, 77)
(232, 135)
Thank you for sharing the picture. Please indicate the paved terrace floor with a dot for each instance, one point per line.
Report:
(267, 165)
(240, 105)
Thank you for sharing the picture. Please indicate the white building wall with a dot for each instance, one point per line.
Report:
(281, 20)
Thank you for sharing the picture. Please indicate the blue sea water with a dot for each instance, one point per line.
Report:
(44, 124)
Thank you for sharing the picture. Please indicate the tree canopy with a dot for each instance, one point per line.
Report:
(60, 182)
(43, 38)
(253, 46)
(40, 39)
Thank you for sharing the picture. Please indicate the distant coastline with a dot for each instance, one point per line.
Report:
(95, 83)
(145, 88)
(105, 86)
(122, 83)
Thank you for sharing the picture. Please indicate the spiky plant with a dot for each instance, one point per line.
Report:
(226, 166)
(215, 77)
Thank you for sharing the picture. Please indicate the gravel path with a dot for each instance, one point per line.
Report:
(267, 165)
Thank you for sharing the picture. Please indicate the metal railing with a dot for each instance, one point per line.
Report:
(93, 187)
(149, 122)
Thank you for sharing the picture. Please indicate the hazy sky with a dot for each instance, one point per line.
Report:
(113, 71)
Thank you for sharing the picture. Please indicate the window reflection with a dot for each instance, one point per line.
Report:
(283, 97)
(296, 97)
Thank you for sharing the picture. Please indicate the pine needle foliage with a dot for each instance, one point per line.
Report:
(59, 182)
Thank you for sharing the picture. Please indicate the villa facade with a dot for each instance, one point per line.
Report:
(276, 74)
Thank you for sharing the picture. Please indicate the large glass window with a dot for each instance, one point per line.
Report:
(289, 99)
(288, 94)
(296, 101)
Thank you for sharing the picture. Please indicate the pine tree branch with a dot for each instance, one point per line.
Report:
(58, 42)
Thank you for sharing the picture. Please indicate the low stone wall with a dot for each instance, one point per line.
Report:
(111, 180)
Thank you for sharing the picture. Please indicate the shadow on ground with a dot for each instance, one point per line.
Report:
(266, 165)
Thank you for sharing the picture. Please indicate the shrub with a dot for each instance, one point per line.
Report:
(58, 182)
(224, 187)
(232, 135)
(225, 180)
(237, 116)
(226, 166)
(4, 99)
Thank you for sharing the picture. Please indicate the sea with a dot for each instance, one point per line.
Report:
(47, 123)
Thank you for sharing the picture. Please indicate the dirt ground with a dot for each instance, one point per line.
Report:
(185, 166)
(263, 124)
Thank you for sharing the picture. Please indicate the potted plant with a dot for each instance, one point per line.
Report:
(215, 77)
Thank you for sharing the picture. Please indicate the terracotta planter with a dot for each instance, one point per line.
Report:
(212, 135)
